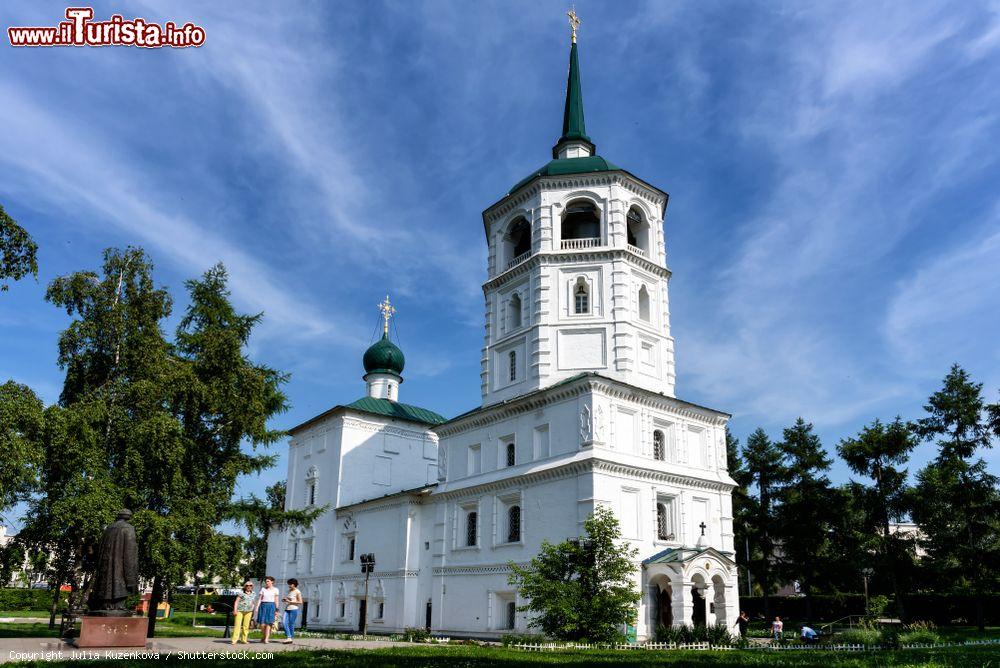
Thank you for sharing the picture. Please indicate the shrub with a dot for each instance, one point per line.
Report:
(861, 636)
(415, 635)
(12, 598)
(719, 635)
(919, 636)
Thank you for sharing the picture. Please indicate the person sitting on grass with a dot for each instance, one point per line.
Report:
(243, 612)
(267, 604)
(809, 636)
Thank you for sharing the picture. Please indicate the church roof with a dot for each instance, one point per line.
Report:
(574, 128)
(381, 407)
(396, 410)
(562, 166)
(682, 554)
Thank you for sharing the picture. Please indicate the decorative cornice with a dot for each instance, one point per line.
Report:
(573, 387)
(593, 464)
(484, 569)
(558, 257)
(351, 577)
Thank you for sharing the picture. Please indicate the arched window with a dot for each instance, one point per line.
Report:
(471, 529)
(516, 243)
(644, 303)
(511, 454)
(514, 311)
(581, 297)
(512, 361)
(637, 231)
(658, 449)
(514, 524)
(662, 523)
(581, 221)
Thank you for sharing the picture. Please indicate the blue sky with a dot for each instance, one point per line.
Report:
(833, 227)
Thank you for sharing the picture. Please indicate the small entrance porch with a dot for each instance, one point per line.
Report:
(688, 586)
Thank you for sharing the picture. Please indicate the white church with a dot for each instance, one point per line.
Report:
(578, 410)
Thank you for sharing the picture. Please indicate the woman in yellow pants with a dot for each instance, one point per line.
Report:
(243, 611)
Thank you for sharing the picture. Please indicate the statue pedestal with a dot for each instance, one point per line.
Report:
(112, 631)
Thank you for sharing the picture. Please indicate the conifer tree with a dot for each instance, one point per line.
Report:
(767, 471)
(956, 501)
(805, 513)
(879, 452)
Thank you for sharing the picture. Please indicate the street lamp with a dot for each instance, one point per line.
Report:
(367, 567)
(866, 573)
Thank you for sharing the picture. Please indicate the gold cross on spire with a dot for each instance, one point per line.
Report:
(574, 21)
(387, 310)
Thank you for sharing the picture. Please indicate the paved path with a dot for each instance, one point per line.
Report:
(27, 649)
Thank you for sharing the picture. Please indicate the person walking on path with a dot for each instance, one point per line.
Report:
(742, 621)
(243, 612)
(777, 627)
(292, 602)
(267, 605)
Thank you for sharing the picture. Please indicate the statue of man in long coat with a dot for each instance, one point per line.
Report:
(117, 569)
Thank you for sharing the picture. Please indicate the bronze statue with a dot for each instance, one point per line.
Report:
(116, 575)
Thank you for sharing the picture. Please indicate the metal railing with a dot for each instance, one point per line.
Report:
(579, 244)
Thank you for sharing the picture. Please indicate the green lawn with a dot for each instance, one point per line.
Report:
(464, 657)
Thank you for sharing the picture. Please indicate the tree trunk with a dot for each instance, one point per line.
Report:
(154, 601)
(55, 605)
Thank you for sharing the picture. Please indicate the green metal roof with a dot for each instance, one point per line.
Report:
(681, 554)
(560, 167)
(397, 410)
(574, 128)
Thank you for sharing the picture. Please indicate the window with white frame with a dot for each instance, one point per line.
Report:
(295, 551)
(341, 609)
(471, 528)
(475, 457)
(380, 611)
(512, 365)
(659, 446)
(510, 453)
(581, 297)
(509, 519)
(665, 518)
(540, 442)
(514, 524)
(505, 611)
(350, 544)
(644, 311)
(467, 525)
(312, 479)
(514, 311)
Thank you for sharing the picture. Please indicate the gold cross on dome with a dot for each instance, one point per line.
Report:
(387, 310)
(574, 21)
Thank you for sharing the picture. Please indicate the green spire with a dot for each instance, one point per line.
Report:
(573, 124)
(574, 128)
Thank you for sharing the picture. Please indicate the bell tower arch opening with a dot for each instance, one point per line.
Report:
(581, 225)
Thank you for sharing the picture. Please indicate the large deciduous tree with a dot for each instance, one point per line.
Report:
(18, 252)
(21, 427)
(582, 588)
(956, 501)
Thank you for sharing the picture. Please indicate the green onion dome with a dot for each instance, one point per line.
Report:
(384, 356)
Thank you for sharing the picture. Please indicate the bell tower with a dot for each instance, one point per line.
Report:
(577, 276)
